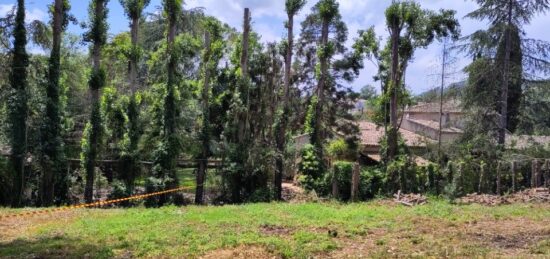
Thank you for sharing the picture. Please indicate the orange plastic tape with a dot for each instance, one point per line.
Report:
(93, 204)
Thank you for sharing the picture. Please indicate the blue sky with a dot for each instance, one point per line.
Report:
(268, 17)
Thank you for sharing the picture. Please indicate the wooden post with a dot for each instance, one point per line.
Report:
(547, 173)
(355, 182)
(334, 185)
(513, 169)
(498, 178)
(481, 175)
(535, 174)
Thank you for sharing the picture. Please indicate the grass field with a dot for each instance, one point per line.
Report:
(373, 229)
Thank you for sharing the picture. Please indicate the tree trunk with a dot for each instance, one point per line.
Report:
(505, 78)
(392, 134)
(319, 134)
(50, 164)
(95, 117)
(281, 134)
(203, 159)
(443, 67)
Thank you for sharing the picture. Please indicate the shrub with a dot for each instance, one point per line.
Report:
(372, 183)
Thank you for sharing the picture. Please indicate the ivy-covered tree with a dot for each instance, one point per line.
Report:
(211, 55)
(292, 7)
(17, 105)
(167, 151)
(97, 35)
(130, 158)
(54, 178)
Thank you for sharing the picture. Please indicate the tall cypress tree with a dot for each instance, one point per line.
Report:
(17, 105)
(52, 153)
(90, 145)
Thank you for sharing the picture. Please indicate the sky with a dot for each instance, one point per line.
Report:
(268, 17)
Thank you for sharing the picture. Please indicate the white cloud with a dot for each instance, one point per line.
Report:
(31, 15)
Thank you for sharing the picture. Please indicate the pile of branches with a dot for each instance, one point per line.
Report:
(410, 199)
(526, 196)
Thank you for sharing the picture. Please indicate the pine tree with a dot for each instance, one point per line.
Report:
(507, 16)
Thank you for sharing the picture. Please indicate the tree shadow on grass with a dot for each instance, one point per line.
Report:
(53, 247)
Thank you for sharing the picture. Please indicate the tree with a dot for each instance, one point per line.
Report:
(53, 174)
(212, 53)
(292, 7)
(130, 159)
(97, 35)
(165, 160)
(325, 63)
(368, 92)
(506, 17)
(411, 28)
(17, 105)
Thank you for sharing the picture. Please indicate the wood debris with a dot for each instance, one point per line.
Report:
(525, 196)
(410, 199)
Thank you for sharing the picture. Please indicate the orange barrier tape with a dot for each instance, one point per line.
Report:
(93, 204)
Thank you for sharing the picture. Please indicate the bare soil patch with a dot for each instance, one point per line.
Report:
(240, 252)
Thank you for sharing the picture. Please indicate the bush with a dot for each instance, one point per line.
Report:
(310, 169)
(343, 172)
(372, 183)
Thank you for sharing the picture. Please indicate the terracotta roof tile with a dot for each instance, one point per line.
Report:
(371, 135)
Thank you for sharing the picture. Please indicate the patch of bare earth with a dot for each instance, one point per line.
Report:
(511, 237)
(20, 227)
(426, 237)
(274, 230)
(240, 252)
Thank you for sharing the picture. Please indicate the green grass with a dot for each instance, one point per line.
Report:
(186, 177)
(287, 230)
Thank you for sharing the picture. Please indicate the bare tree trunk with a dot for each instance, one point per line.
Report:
(392, 136)
(505, 78)
(319, 131)
(203, 159)
(281, 135)
(243, 119)
(443, 67)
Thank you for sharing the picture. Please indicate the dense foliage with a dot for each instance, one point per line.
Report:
(179, 91)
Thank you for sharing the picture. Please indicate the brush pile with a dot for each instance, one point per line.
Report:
(535, 195)
(410, 199)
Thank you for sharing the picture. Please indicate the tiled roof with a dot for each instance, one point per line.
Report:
(371, 135)
(452, 106)
(435, 125)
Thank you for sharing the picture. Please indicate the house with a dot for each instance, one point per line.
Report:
(423, 119)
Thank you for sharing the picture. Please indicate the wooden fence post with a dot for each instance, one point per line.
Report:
(547, 173)
(513, 169)
(498, 178)
(334, 184)
(535, 174)
(481, 175)
(355, 182)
